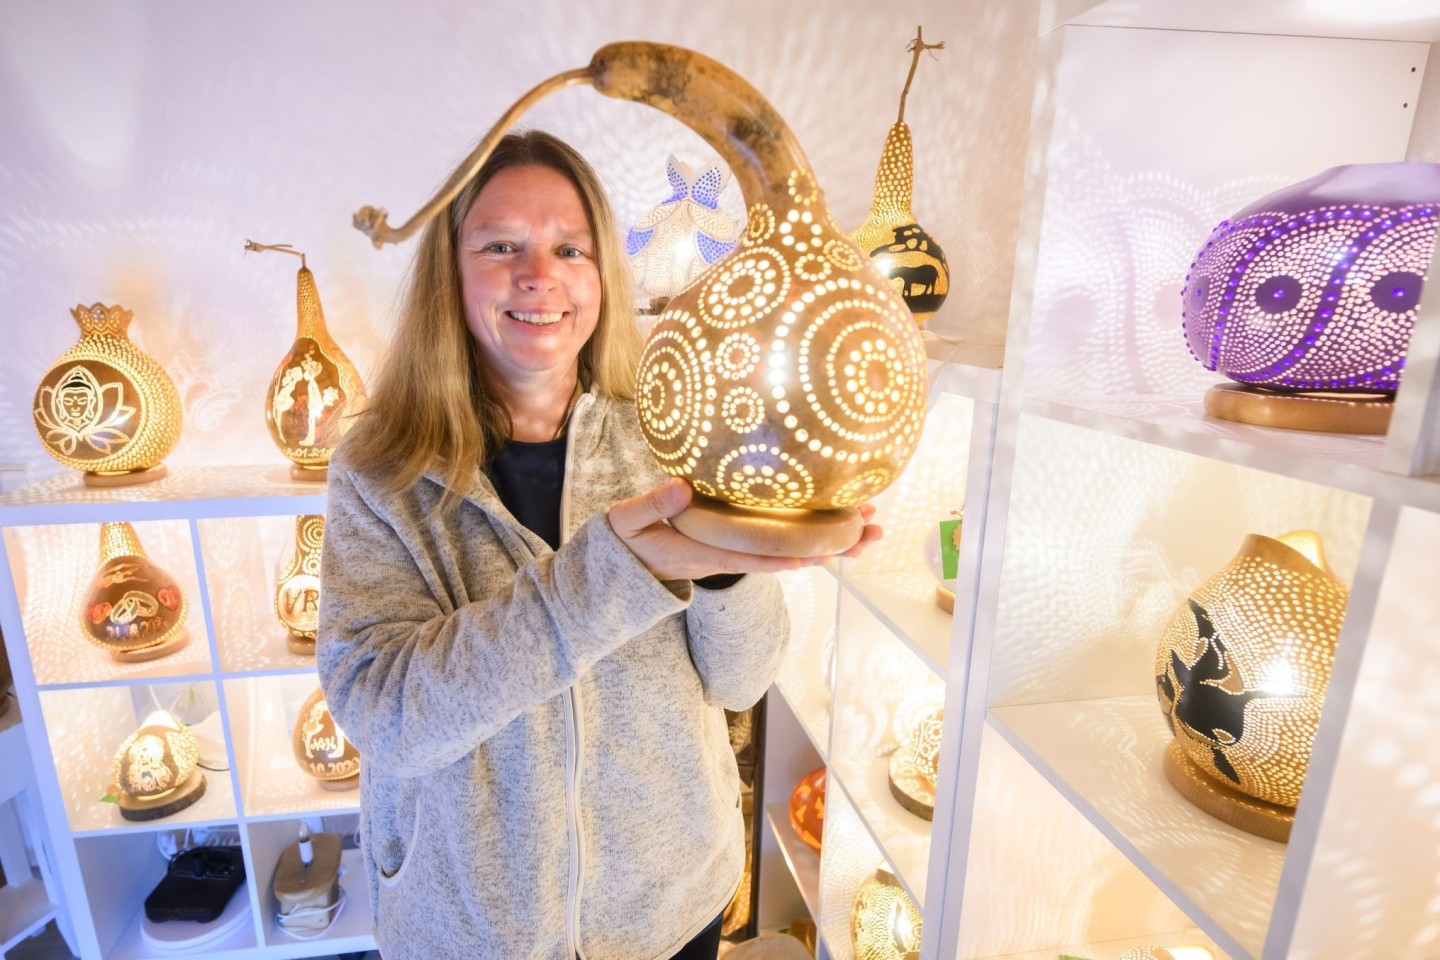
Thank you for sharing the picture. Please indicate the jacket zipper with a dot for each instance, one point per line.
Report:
(573, 733)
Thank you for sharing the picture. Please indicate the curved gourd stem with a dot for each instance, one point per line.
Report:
(252, 247)
(709, 98)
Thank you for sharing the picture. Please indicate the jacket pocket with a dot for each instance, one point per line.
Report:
(391, 879)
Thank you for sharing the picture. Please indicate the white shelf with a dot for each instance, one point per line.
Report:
(25, 908)
(1106, 758)
(803, 863)
(902, 837)
(1347, 461)
(970, 369)
(905, 602)
(236, 491)
(1376, 21)
(1110, 949)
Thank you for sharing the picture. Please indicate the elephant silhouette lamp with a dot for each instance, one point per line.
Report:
(686, 234)
(297, 588)
(787, 382)
(134, 610)
(1241, 674)
(1307, 297)
(321, 747)
(903, 251)
(105, 407)
(316, 390)
(154, 772)
(884, 924)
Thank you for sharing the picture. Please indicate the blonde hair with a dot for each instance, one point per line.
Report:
(430, 405)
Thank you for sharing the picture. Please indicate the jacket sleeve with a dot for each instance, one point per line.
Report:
(417, 686)
(738, 639)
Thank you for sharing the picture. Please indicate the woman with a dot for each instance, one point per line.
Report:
(531, 660)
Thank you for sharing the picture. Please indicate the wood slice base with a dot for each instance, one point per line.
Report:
(1367, 413)
(945, 599)
(770, 533)
(1223, 802)
(339, 786)
(309, 474)
(909, 786)
(126, 478)
(136, 808)
(181, 638)
(304, 646)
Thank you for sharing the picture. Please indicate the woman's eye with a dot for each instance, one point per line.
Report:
(500, 246)
(571, 252)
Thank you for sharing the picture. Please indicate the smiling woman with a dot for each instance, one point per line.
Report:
(532, 661)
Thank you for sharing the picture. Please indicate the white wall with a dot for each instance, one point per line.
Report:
(141, 143)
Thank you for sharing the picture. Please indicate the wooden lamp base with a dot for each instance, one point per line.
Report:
(159, 650)
(339, 786)
(909, 786)
(1225, 803)
(125, 478)
(136, 808)
(1367, 413)
(309, 474)
(303, 646)
(770, 532)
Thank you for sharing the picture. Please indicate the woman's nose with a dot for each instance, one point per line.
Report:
(536, 272)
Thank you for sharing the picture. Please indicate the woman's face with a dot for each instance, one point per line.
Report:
(528, 275)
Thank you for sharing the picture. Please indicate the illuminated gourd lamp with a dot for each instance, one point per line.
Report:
(155, 772)
(903, 251)
(133, 610)
(297, 588)
(807, 809)
(915, 766)
(316, 390)
(787, 383)
(321, 747)
(686, 234)
(1306, 298)
(884, 924)
(1241, 673)
(942, 557)
(105, 407)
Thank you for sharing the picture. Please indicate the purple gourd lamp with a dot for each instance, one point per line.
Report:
(1306, 298)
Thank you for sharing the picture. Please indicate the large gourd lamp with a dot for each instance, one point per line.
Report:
(686, 234)
(1241, 673)
(134, 610)
(787, 383)
(105, 407)
(155, 769)
(297, 588)
(316, 391)
(1306, 298)
(904, 252)
(321, 747)
(884, 924)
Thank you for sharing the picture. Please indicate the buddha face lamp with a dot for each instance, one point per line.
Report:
(787, 382)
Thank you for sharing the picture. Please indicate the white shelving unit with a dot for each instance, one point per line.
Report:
(220, 532)
(1098, 495)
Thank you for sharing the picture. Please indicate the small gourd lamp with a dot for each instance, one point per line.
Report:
(155, 769)
(884, 924)
(316, 390)
(134, 610)
(297, 588)
(905, 253)
(1241, 673)
(686, 234)
(915, 766)
(807, 809)
(105, 407)
(1306, 298)
(787, 383)
(321, 747)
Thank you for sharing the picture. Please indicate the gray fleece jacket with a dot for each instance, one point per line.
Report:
(545, 768)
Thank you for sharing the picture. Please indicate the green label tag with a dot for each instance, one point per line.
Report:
(950, 547)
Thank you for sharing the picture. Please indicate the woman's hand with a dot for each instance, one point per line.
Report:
(670, 555)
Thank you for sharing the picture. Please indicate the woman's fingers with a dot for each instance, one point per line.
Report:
(629, 517)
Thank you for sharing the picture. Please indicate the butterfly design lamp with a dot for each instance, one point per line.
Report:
(686, 234)
(787, 382)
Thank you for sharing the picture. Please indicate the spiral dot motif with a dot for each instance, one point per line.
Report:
(747, 287)
(761, 225)
(737, 357)
(766, 477)
(743, 410)
(670, 394)
(310, 535)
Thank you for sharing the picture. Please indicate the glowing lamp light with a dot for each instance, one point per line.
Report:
(915, 766)
(686, 234)
(155, 769)
(1241, 674)
(105, 407)
(1168, 953)
(884, 924)
(133, 610)
(807, 809)
(1306, 298)
(297, 588)
(321, 747)
(787, 382)
(316, 391)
